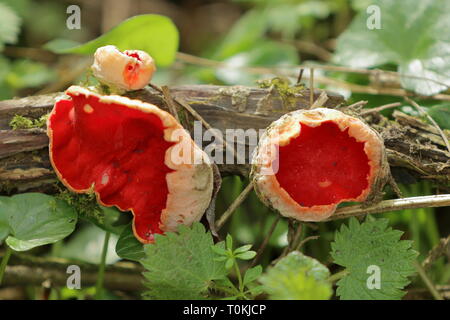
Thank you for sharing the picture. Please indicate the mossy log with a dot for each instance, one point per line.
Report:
(415, 149)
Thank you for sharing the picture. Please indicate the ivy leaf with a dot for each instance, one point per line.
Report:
(152, 33)
(128, 247)
(181, 265)
(36, 219)
(297, 277)
(411, 36)
(372, 244)
(9, 25)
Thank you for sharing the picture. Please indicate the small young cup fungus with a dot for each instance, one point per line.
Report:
(128, 70)
(309, 161)
(134, 156)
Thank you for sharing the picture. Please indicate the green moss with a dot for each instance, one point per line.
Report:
(287, 92)
(21, 122)
(85, 204)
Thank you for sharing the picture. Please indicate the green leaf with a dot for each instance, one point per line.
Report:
(26, 73)
(441, 114)
(152, 33)
(246, 255)
(87, 244)
(297, 277)
(128, 247)
(229, 264)
(243, 249)
(36, 219)
(252, 274)
(4, 226)
(243, 35)
(181, 265)
(9, 25)
(262, 53)
(229, 242)
(411, 36)
(219, 250)
(372, 244)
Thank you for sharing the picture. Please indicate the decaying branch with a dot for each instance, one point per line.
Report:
(29, 270)
(415, 148)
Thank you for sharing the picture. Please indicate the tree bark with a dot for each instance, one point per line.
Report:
(414, 148)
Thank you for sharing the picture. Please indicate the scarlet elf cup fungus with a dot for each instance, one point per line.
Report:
(134, 156)
(127, 70)
(309, 161)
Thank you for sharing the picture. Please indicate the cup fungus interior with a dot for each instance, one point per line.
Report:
(116, 149)
(323, 165)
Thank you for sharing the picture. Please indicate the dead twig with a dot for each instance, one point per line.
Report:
(236, 203)
(263, 245)
(440, 200)
(423, 112)
(427, 281)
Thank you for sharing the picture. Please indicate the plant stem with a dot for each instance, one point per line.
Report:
(337, 276)
(5, 262)
(238, 273)
(436, 295)
(101, 269)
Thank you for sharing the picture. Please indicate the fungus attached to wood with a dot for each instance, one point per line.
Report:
(127, 70)
(134, 156)
(309, 161)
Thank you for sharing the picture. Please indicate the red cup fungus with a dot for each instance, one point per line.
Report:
(128, 153)
(322, 158)
(127, 70)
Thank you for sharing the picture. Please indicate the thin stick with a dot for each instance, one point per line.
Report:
(263, 245)
(101, 269)
(5, 262)
(300, 76)
(197, 116)
(236, 203)
(423, 112)
(302, 243)
(427, 281)
(356, 104)
(170, 102)
(440, 200)
(320, 100)
(311, 87)
(187, 58)
(381, 108)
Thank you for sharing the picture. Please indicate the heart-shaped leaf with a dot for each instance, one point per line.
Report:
(152, 33)
(128, 247)
(411, 34)
(36, 219)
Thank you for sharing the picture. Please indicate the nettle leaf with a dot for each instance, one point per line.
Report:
(36, 219)
(152, 33)
(128, 247)
(181, 265)
(297, 277)
(9, 25)
(411, 36)
(371, 245)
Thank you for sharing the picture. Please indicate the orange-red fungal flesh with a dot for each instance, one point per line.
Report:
(118, 151)
(323, 166)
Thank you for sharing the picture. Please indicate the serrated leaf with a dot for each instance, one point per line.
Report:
(128, 247)
(252, 274)
(181, 265)
(411, 36)
(152, 33)
(9, 25)
(372, 244)
(297, 277)
(36, 219)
